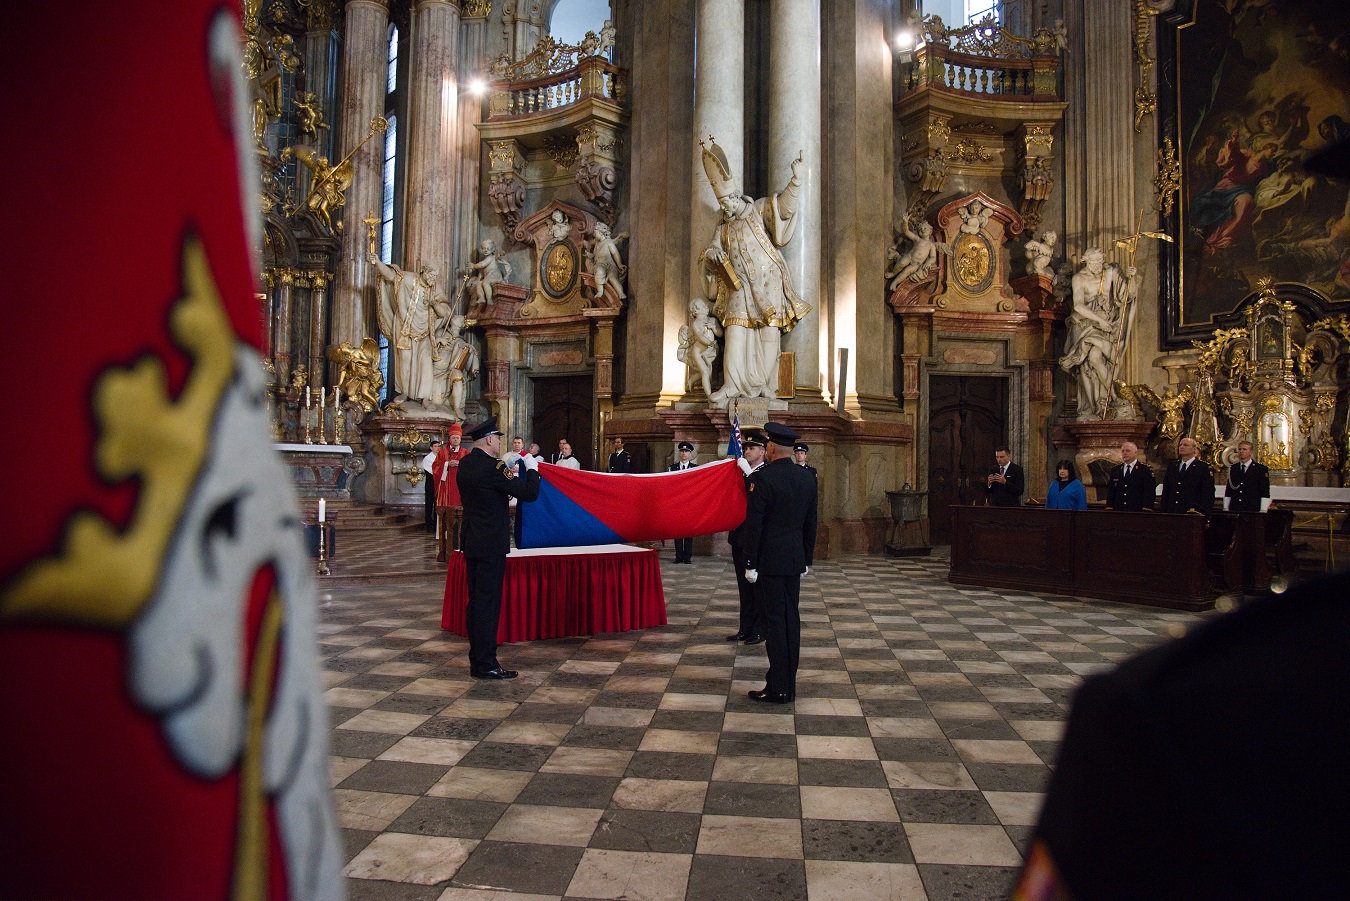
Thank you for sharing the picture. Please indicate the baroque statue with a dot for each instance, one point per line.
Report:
(359, 373)
(604, 261)
(1099, 329)
(746, 276)
(1040, 252)
(490, 269)
(454, 362)
(698, 346)
(328, 189)
(918, 260)
(408, 313)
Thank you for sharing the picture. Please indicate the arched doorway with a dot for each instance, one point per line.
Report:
(967, 420)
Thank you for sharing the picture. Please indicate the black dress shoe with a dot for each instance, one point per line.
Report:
(769, 697)
(497, 673)
(739, 636)
(754, 639)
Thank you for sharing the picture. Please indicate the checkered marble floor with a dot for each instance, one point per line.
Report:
(632, 765)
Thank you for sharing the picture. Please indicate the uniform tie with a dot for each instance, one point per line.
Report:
(1128, 467)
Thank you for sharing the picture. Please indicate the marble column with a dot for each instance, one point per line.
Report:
(719, 111)
(365, 67)
(281, 333)
(320, 64)
(661, 160)
(433, 112)
(318, 325)
(464, 237)
(794, 129)
(858, 209)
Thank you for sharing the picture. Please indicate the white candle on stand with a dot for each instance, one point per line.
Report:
(323, 510)
(337, 401)
(307, 397)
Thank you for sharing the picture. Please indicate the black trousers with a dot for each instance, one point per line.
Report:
(778, 597)
(429, 488)
(752, 621)
(486, 575)
(684, 549)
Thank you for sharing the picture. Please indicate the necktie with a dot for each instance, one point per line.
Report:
(1128, 467)
(1184, 465)
(1244, 469)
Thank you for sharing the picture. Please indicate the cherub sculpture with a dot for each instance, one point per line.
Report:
(604, 261)
(974, 216)
(482, 275)
(358, 374)
(698, 346)
(1040, 251)
(1171, 406)
(309, 114)
(918, 259)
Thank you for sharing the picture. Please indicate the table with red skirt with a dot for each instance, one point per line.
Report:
(557, 592)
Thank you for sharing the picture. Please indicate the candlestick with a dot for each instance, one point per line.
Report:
(322, 568)
(323, 510)
(308, 404)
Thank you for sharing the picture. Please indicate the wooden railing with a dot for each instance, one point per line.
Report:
(591, 77)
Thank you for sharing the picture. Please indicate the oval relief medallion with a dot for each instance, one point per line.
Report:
(972, 260)
(560, 269)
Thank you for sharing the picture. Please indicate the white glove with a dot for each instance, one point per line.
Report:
(752, 576)
(1265, 504)
(807, 571)
(744, 465)
(531, 462)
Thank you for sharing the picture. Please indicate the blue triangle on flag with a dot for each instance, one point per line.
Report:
(555, 520)
(734, 443)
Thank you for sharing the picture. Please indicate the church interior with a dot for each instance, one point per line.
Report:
(918, 234)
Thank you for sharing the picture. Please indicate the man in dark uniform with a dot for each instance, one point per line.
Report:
(1131, 485)
(1006, 483)
(619, 461)
(1248, 488)
(751, 629)
(486, 486)
(799, 452)
(1188, 484)
(684, 547)
(780, 543)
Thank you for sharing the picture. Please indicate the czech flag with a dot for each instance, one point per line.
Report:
(577, 508)
(734, 444)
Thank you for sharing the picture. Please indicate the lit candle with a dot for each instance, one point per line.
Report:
(323, 510)
(307, 397)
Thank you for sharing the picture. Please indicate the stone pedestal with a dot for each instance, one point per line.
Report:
(394, 451)
(1099, 442)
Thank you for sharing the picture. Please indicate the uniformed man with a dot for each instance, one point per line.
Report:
(684, 547)
(486, 485)
(1188, 484)
(1248, 488)
(619, 461)
(1131, 485)
(799, 452)
(780, 542)
(751, 630)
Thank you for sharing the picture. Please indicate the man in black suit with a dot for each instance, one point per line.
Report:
(1248, 488)
(1188, 484)
(684, 547)
(619, 461)
(1006, 483)
(751, 629)
(486, 486)
(780, 543)
(1131, 485)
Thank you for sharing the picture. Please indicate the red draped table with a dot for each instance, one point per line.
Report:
(556, 592)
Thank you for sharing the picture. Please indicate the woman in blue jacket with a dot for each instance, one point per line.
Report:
(1066, 492)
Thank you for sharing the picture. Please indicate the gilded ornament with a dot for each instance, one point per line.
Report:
(972, 257)
(1167, 181)
(968, 151)
(560, 268)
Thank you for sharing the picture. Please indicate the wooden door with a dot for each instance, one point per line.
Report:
(967, 420)
(563, 409)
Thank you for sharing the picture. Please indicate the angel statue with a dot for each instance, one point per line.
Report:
(1171, 406)
(358, 372)
(918, 259)
(603, 260)
(327, 192)
(480, 277)
(1040, 251)
(698, 346)
(1099, 329)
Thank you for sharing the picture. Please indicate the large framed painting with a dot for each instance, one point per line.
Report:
(1248, 90)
